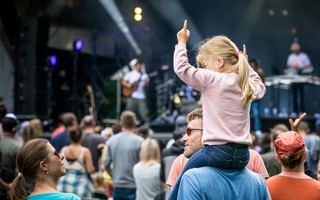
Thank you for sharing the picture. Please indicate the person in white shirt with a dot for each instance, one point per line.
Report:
(298, 63)
(134, 85)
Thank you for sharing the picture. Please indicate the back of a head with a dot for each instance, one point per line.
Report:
(150, 151)
(8, 124)
(116, 128)
(28, 133)
(37, 125)
(143, 131)
(68, 119)
(28, 160)
(290, 149)
(277, 129)
(88, 121)
(235, 62)
(304, 127)
(76, 135)
(128, 119)
(219, 46)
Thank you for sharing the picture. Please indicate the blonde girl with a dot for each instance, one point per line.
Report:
(228, 85)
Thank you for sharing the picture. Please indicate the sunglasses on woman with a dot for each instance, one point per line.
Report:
(55, 153)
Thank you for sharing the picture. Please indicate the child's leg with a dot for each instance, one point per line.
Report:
(198, 159)
(228, 156)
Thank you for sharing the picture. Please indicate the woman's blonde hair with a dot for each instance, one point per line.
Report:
(37, 125)
(150, 152)
(222, 46)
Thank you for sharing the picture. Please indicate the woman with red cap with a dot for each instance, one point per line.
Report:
(292, 183)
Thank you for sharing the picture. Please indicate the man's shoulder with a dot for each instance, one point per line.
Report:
(10, 143)
(61, 138)
(223, 173)
(93, 136)
(62, 135)
(123, 136)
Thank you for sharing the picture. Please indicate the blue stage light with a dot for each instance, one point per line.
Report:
(53, 60)
(77, 45)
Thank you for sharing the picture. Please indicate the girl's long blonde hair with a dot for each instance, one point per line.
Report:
(150, 152)
(222, 46)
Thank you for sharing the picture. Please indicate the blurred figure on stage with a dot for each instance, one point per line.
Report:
(255, 105)
(134, 86)
(3, 109)
(61, 95)
(298, 63)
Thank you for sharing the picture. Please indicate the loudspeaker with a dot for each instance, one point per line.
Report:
(25, 67)
(26, 59)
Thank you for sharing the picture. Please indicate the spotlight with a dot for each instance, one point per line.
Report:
(137, 14)
(137, 17)
(53, 60)
(77, 45)
(137, 10)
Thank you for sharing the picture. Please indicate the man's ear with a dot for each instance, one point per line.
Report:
(304, 156)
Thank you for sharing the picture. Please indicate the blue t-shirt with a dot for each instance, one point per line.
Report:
(54, 196)
(213, 183)
(61, 140)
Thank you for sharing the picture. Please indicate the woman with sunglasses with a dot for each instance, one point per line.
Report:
(228, 85)
(40, 165)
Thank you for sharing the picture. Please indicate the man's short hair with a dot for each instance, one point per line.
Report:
(68, 118)
(8, 124)
(195, 114)
(128, 119)
(304, 126)
(88, 121)
(277, 129)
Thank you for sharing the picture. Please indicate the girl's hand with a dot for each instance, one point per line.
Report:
(184, 34)
(244, 51)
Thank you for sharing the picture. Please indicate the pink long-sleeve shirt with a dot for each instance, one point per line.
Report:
(225, 119)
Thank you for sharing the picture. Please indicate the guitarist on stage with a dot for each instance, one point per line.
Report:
(134, 84)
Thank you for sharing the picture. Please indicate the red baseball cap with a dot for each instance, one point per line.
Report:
(289, 142)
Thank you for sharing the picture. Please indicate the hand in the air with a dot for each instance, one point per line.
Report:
(294, 124)
(184, 34)
(244, 51)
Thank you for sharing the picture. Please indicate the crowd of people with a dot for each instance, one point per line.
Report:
(213, 154)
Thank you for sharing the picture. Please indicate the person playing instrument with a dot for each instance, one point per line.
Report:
(228, 85)
(298, 62)
(134, 85)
